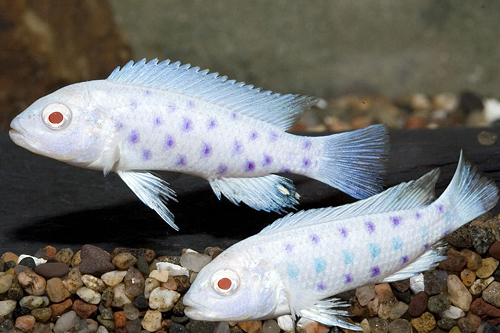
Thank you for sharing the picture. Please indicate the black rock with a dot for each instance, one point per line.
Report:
(28, 262)
(178, 328)
(8, 265)
(198, 326)
(482, 238)
(18, 312)
(460, 238)
(142, 265)
(488, 328)
(446, 324)
(141, 303)
(180, 320)
(438, 303)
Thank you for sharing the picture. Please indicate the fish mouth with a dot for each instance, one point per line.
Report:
(20, 139)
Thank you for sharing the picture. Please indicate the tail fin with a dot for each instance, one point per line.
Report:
(354, 162)
(469, 194)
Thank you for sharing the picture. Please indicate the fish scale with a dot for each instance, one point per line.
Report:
(167, 116)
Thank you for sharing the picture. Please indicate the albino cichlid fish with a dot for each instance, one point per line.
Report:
(168, 116)
(295, 264)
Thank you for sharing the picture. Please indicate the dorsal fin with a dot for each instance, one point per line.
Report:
(280, 110)
(410, 195)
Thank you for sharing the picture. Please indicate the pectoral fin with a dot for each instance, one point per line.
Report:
(152, 190)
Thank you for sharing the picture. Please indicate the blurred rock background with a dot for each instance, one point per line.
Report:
(397, 57)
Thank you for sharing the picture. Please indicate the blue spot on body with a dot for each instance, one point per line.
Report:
(344, 232)
(306, 162)
(288, 248)
(307, 144)
(424, 231)
(396, 221)
(348, 278)
(169, 142)
(370, 226)
(273, 136)
(222, 169)
(293, 271)
(348, 257)
(133, 104)
(212, 123)
(374, 250)
(314, 238)
(321, 286)
(237, 147)
(181, 159)
(249, 166)
(206, 150)
(158, 121)
(171, 107)
(447, 216)
(319, 265)
(403, 260)
(254, 135)
(375, 271)
(134, 137)
(187, 125)
(146, 154)
(397, 243)
(267, 160)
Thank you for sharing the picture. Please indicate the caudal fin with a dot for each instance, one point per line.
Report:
(354, 162)
(469, 194)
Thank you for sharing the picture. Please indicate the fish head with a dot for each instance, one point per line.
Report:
(233, 288)
(62, 125)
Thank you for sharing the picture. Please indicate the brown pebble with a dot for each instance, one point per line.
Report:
(402, 285)
(455, 262)
(487, 138)
(56, 290)
(52, 269)
(170, 284)
(468, 277)
(64, 255)
(10, 256)
(42, 314)
(475, 321)
(418, 304)
(213, 251)
(59, 309)
(415, 121)
(95, 261)
(182, 283)
(84, 309)
(474, 260)
(480, 308)
(51, 251)
(124, 261)
(77, 259)
(32, 283)
(251, 326)
(120, 321)
(494, 250)
(25, 323)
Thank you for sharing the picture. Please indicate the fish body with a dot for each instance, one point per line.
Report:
(168, 116)
(296, 263)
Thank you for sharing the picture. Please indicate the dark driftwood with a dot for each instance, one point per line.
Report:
(45, 202)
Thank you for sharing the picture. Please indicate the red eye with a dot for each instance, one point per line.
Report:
(56, 117)
(224, 283)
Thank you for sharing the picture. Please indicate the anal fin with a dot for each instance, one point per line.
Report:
(428, 260)
(153, 191)
(267, 193)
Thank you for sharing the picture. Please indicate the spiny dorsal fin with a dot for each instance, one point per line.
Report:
(410, 195)
(280, 110)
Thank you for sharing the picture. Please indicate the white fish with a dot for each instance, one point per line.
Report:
(168, 116)
(295, 264)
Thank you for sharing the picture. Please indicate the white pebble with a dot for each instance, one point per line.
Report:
(149, 285)
(102, 329)
(37, 260)
(222, 327)
(163, 299)
(321, 104)
(161, 276)
(113, 278)
(453, 313)
(492, 110)
(365, 294)
(93, 283)
(120, 298)
(417, 283)
(194, 261)
(66, 322)
(173, 269)
(7, 307)
(89, 295)
(33, 302)
(151, 321)
(270, 326)
(285, 323)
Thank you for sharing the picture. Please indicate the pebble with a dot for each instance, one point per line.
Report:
(194, 261)
(465, 325)
(148, 254)
(269, 326)
(482, 238)
(9, 256)
(133, 282)
(447, 324)
(480, 308)
(25, 323)
(170, 284)
(42, 314)
(453, 313)
(161, 276)
(64, 255)
(378, 325)
(398, 310)
(84, 309)
(418, 304)
(58, 309)
(130, 312)
(93, 283)
(202, 326)
(6, 307)
(487, 268)
(163, 299)
(248, 326)
(183, 283)
(124, 261)
(32, 283)
(94, 261)
(400, 326)
(27, 261)
(474, 260)
(134, 326)
(56, 290)
(5, 282)
(402, 285)
(417, 283)
(459, 295)
(438, 303)
(119, 296)
(468, 277)
(454, 262)
(435, 281)
(150, 284)
(74, 280)
(141, 303)
(66, 322)
(113, 278)
(460, 238)
(312, 327)
(33, 302)
(365, 294)
(479, 285)
(151, 321)
(109, 324)
(424, 323)
(52, 269)
(120, 322)
(492, 294)
(89, 295)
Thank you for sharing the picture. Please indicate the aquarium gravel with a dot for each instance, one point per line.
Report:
(135, 290)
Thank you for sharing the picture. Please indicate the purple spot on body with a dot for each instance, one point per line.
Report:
(171, 107)
(146, 154)
(119, 125)
(426, 246)
(234, 116)
(253, 135)
(187, 125)
(134, 137)
(237, 147)
(307, 144)
(191, 104)
(212, 123)
(344, 232)
(440, 208)
(404, 260)
(133, 104)
(446, 232)
(285, 170)
(158, 121)
(249, 166)
(261, 250)
(147, 92)
(314, 238)
(348, 278)
(222, 169)
(273, 136)
(206, 150)
(396, 221)
(169, 142)
(306, 162)
(181, 160)
(288, 248)
(375, 271)
(370, 226)
(321, 286)
(267, 160)
(418, 215)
